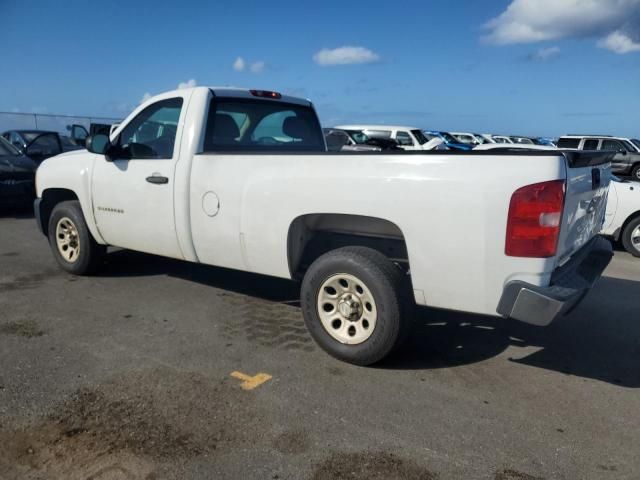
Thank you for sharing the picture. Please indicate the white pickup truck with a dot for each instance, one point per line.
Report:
(242, 179)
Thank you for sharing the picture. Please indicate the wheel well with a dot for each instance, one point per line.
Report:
(315, 234)
(50, 198)
(629, 219)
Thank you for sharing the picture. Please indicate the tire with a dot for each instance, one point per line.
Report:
(635, 173)
(73, 246)
(364, 319)
(632, 231)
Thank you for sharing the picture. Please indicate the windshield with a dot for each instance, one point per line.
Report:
(7, 149)
(629, 146)
(420, 137)
(448, 138)
(636, 142)
(357, 136)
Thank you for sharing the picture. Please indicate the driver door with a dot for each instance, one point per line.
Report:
(133, 190)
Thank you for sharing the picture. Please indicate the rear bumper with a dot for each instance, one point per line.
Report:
(569, 284)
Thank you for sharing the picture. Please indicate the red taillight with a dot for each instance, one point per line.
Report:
(535, 214)
(265, 94)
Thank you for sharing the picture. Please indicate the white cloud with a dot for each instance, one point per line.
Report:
(620, 43)
(528, 21)
(345, 56)
(257, 67)
(545, 54)
(188, 84)
(239, 65)
(145, 97)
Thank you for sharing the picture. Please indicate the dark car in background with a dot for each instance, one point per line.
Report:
(36, 144)
(17, 176)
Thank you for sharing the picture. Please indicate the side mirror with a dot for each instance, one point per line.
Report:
(98, 144)
(622, 151)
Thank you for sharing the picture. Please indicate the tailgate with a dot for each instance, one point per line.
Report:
(588, 177)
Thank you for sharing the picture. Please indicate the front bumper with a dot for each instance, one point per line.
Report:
(569, 285)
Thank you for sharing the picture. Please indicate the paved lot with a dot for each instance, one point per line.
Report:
(127, 375)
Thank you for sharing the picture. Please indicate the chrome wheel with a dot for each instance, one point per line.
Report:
(635, 238)
(347, 309)
(68, 240)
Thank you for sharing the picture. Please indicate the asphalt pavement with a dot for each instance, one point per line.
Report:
(156, 368)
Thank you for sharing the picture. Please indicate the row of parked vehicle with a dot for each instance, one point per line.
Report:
(391, 137)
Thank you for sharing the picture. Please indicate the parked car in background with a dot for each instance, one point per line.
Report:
(513, 146)
(532, 140)
(248, 185)
(622, 220)
(468, 138)
(627, 157)
(68, 145)
(485, 137)
(450, 142)
(501, 139)
(407, 138)
(522, 140)
(339, 140)
(36, 144)
(17, 176)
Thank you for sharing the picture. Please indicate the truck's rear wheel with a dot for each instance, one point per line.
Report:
(631, 237)
(73, 247)
(354, 304)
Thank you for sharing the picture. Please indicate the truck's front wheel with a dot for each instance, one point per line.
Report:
(73, 247)
(354, 306)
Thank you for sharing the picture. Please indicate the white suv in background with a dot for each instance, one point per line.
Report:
(407, 138)
(626, 160)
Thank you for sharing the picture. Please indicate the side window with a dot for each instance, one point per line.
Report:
(152, 134)
(568, 143)
(404, 139)
(611, 145)
(590, 144)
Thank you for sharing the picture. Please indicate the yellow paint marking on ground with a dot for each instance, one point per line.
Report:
(249, 383)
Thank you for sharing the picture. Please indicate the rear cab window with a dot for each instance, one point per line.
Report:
(255, 125)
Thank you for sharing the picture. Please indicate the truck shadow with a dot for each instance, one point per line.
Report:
(599, 340)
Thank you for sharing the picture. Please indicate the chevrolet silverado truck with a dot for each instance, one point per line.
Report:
(242, 179)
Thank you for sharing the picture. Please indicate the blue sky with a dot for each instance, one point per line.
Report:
(536, 67)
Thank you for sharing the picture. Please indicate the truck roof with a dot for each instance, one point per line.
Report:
(375, 127)
(234, 92)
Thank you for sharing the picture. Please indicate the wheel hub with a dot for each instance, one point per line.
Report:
(350, 308)
(67, 239)
(347, 308)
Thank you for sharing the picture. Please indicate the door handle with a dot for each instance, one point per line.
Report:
(157, 179)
